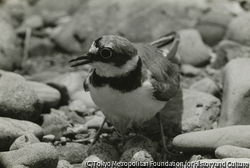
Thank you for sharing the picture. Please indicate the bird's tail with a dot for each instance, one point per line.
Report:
(169, 45)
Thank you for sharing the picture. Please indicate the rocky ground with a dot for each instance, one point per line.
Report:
(47, 120)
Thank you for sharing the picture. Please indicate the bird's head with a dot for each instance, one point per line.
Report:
(110, 56)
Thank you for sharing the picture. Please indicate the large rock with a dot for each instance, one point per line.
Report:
(49, 96)
(17, 99)
(210, 140)
(236, 93)
(238, 29)
(192, 49)
(38, 155)
(188, 111)
(228, 50)
(213, 25)
(11, 129)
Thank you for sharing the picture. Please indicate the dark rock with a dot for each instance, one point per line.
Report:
(72, 152)
(37, 155)
(236, 93)
(192, 49)
(23, 141)
(11, 129)
(210, 140)
(228, 50)
(17, 99)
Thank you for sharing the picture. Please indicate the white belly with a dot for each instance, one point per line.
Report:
(125, 109)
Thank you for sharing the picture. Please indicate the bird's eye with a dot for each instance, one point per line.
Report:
(106, 53)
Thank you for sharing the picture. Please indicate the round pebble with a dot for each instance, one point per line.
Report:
(135, 155)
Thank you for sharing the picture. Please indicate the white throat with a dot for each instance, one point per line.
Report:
(108, 70)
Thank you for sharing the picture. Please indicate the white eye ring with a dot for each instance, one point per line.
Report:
(106, 53)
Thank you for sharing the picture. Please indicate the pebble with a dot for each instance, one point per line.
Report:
(33, 22)
(72, 152)
(192, 50)
(94, 159)
(229, 151)
(64, 164)
(136, 155)
(228, 50)
(206, 85)
(143, 142)
(189, 70)
(37, 155)
(17, 99)
(78, 106)
(49, 96)
(188, 111)
(210, 140)
(236, 93)
(24, 140)
(104, 149)
(48, 138)
(95, 122)
(238, 29)
(11, 129)
(40, 47)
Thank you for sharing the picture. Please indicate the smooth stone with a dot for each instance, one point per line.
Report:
(236, 93)
(228, 50)
(48, 138)
(192, 50)
(78, 106)
(17, 99)
(206, 85)
(37, 155)
(210, 140)
(23, 141)
(73, 117)
(188, 111)
(213, 25)
(40, 47)
(11, 129)
(136, 155)
(64, 164)
(49, 96)
(104, 149)
(189, 70)
(229, 151)
(95, 122)
(238, 29)
(32, 22)
(72, 152)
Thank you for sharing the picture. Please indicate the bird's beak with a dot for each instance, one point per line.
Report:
(81, 60)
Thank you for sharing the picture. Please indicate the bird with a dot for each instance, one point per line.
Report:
(131, 82)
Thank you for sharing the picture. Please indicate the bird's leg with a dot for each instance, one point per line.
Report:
(159, 118)
(97, 135)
